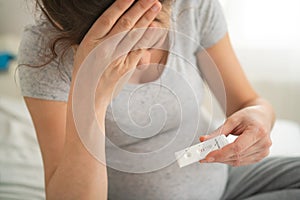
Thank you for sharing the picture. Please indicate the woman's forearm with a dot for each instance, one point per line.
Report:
(79, 175)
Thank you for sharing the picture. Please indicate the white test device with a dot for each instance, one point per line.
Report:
(199, 151)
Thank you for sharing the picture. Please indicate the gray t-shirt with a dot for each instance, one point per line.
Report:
(151, 120)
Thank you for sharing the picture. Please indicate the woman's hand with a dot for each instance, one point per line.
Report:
(118, 19)
(252, 125)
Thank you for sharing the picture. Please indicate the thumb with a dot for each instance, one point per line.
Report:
(224, 129)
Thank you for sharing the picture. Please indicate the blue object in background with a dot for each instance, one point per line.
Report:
(4, 60)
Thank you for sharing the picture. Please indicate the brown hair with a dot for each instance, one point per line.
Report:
(72, 19)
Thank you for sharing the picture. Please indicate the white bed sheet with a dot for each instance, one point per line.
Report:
(21, 172)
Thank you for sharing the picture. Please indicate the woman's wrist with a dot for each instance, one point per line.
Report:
(265, 107)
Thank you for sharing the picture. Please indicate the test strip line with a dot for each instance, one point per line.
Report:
(217, 144)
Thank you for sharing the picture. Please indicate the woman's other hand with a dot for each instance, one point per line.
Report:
(252, 125)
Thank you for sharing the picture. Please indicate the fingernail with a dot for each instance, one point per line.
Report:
(210, 159)
(155, 7)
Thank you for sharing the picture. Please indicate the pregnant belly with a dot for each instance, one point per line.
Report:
(198, 181)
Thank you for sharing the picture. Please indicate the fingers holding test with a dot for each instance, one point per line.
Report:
(257, 151)
(250, 147)
(247, 159)
(225, 129)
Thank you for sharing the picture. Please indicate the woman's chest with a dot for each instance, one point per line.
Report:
(163, 106)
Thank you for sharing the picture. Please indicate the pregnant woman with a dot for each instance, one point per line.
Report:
(156, 103)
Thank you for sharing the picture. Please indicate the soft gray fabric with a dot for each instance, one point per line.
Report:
(271, 179)
(135, 109)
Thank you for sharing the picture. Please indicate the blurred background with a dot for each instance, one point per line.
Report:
(266, 37)
(14, 15)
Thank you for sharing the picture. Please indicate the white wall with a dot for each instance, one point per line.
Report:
(266, 37)
(14, 14)
(267, 31)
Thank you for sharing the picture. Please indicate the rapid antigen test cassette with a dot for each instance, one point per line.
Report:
(199, 151)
